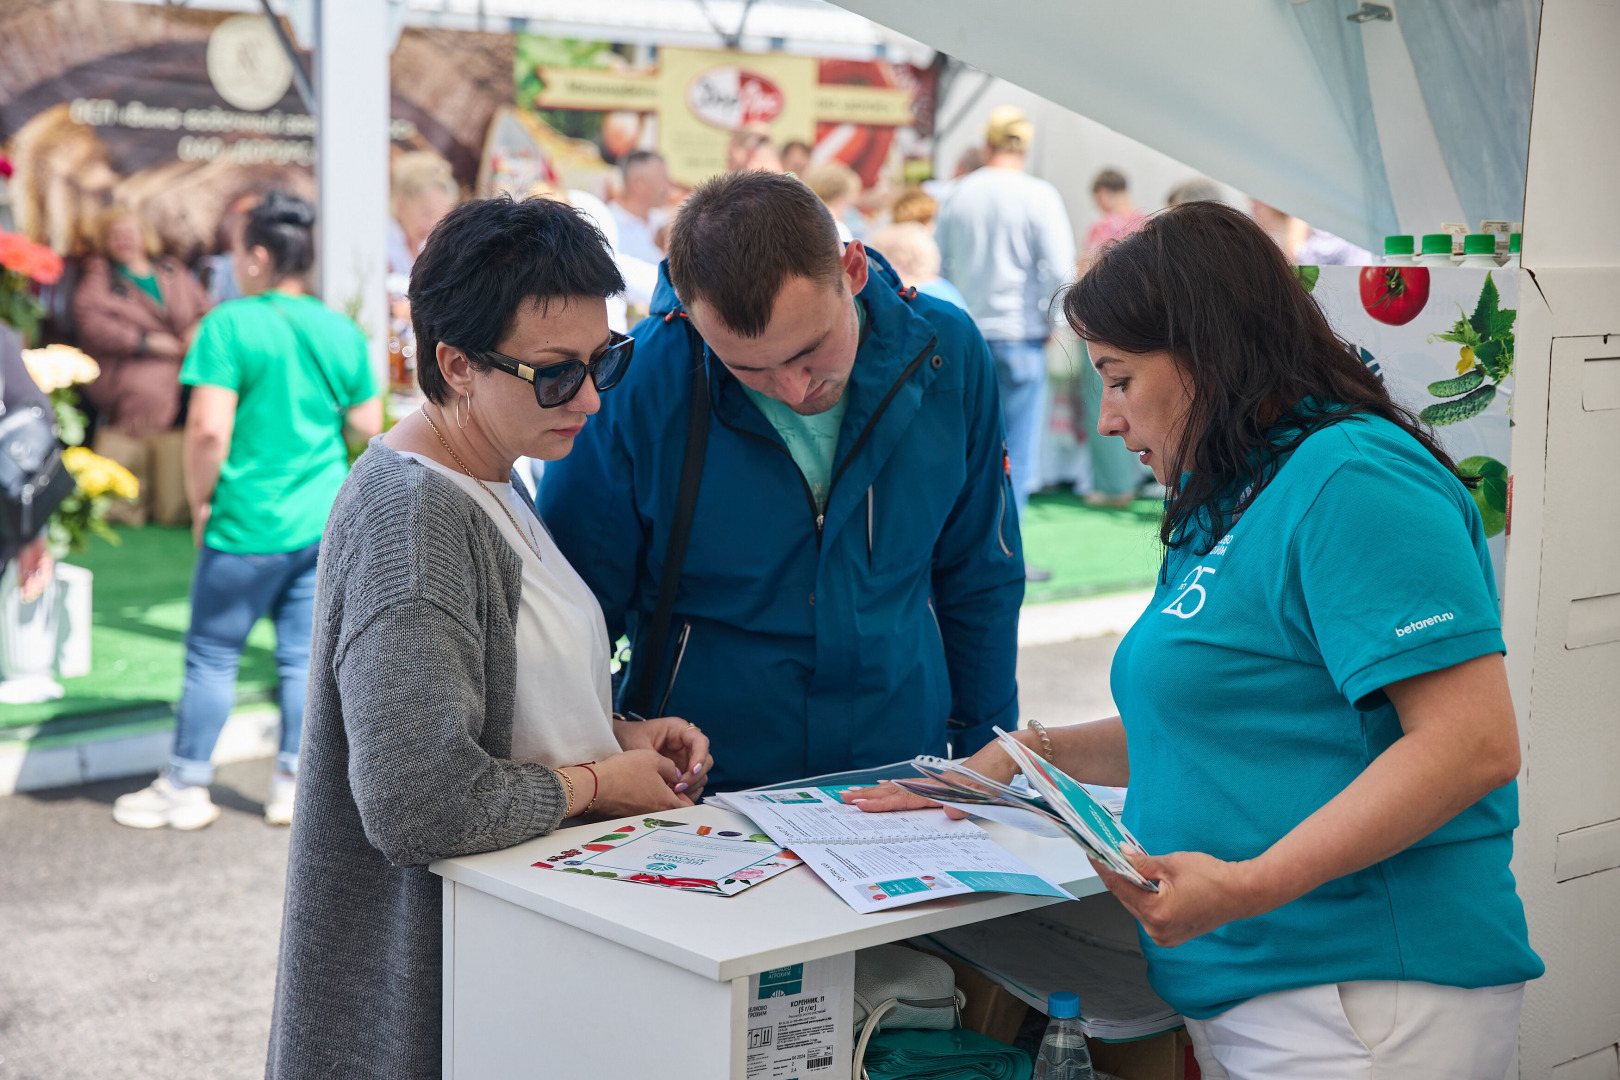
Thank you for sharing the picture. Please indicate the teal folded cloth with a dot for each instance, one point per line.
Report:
(944, 1055)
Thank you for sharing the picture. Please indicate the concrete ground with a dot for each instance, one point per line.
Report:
(128, 955)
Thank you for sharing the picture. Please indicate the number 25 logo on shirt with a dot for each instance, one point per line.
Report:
(1179, 606)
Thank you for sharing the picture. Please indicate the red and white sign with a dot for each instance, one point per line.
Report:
(732, 98)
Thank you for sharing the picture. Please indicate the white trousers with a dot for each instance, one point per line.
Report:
(1363, 1031)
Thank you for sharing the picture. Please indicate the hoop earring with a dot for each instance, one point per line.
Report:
(461, 422)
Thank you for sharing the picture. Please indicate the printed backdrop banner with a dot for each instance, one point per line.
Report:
(687, 103)
(1442, 340)
(179, 113)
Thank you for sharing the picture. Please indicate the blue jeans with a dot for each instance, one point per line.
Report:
(1021, 376)
(229, 593)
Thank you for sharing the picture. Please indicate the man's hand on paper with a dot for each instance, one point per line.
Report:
(1197, 893)
(680, 741)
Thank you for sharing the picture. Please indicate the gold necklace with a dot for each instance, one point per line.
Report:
(500, 502)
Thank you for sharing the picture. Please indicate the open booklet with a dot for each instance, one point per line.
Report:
(1055, 805)
(880, 861)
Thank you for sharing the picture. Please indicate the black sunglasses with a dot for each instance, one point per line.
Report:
(556, 384)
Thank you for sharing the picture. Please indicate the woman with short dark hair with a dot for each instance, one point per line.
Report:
(459, 689)
(1314, 714)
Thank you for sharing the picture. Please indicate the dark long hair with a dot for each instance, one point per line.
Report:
(1264, 369)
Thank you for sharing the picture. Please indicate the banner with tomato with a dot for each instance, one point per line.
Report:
(1442, 340)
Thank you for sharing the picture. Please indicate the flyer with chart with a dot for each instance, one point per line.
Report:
(675, 855)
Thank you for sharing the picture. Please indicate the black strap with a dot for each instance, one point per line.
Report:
(314, 357)
(680, 530)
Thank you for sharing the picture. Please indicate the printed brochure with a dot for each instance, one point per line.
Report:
(1055, 804)
(881, 861)
(675, 855)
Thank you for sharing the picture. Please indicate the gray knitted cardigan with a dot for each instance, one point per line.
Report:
(407, 732)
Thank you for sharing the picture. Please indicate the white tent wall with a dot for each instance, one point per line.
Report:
(1274, 97)
(1231, 89)
(1563, 591)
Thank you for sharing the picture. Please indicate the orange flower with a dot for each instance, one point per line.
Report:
(36, 261)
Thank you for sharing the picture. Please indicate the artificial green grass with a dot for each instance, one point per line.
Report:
(140, 613)
(1090, 550)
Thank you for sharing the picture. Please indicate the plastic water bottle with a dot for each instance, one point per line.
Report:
(1063, 1048)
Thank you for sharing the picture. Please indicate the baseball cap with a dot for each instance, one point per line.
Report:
(1009, 129)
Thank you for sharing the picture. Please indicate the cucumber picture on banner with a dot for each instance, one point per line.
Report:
(1441, 340)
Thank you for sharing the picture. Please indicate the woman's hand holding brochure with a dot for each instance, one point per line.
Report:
(1056, 804)
(1089, 822)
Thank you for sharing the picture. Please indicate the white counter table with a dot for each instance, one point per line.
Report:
(550, 974)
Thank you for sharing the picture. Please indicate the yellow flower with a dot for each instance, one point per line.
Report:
(55, 367)
(98, 476)
(1466, 363)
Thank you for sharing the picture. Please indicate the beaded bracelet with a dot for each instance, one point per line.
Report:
(1046, 743)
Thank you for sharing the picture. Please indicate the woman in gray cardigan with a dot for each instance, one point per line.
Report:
(458, 690)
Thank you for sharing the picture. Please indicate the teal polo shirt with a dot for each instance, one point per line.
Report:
(1251, 693)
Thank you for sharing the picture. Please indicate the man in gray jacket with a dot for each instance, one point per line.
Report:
(1005, 241)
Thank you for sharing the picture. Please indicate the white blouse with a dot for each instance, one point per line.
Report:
(563, 713)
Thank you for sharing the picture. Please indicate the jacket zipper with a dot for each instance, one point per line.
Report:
(869, 516)
(816, 513)
(1001, 515)
(1001, 520)
(877, 415)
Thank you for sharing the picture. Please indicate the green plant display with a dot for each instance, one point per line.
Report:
(1485, 352)
(1457, 410)
(1460, 385)
(535, 51)
(1490, 490)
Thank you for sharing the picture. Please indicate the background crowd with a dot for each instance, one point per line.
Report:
(991, 238)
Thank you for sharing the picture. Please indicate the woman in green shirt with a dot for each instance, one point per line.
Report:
(293, 378)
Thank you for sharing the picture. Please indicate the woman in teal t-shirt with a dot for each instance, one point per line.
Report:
(279, 383)
(1314, 714)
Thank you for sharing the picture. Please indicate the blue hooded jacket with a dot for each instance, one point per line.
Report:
(812, 645)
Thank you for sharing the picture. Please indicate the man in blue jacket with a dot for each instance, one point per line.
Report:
(851, 580)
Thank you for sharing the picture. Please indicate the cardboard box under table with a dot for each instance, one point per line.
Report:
(550, 974)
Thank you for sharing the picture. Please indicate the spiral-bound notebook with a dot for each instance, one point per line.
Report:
(880, 861)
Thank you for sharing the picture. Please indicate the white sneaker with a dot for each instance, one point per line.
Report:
(279, 809)
(162, 804)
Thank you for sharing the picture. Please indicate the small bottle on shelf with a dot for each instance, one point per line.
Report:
(1514, 240)
(1398, 251)
(1063, 1054)
(1479, 251)
(1436, 250)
